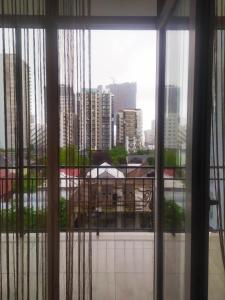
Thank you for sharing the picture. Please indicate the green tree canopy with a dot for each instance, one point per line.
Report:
(170, 158)
(70, 156)
(118, 155)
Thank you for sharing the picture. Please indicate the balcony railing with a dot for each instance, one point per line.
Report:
(92, 198)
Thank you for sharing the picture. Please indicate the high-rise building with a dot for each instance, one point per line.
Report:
(172, 119)
(182, 135)
(150, 136)
(124, 96)
(95, 119)
(88, 119)
(105, 122)
(68, 117)
(8, 101)
(172, 99)
(129, 129)
(38, 136)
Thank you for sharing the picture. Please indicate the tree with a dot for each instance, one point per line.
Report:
(174, 216)
(118, 155)
(170, 158)
(70, 156)
(151, 161)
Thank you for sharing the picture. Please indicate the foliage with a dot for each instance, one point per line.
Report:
(118, 155)
(63, 218)
(170, 158)
(70, 156)
(150, 153)
(29, 184)
(33, 219)
(173, 216)
(151, 161)
(36, 220)
(142, 152)
(31, 180)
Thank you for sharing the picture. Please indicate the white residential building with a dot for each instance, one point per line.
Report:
(129, 129)
(172, 117)
(67, 116)
(149, 135)
(95, 119)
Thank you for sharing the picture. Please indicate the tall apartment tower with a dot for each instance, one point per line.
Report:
(129, 129)
(95, 119)
(8, 101)
(124, 95)
(68, 117)
(105, 121)
(150, 135)
(172, 120)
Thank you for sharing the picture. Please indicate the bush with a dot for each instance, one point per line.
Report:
(36, 220)
(33, 219)
(151, 161)
(174, 217)
(118, 155)
(70, 156)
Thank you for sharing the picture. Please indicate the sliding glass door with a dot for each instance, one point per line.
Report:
(183, 116)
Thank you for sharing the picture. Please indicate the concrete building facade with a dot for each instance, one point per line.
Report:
(67, 116)
(129, 129)
(124, 97)
(95, 119)
(149, 135)
(8, 101)
(172, 117)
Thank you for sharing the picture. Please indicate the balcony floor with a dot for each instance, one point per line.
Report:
(122, 266)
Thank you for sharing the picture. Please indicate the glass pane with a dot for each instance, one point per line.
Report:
(109, 7)
(23, 164)
(106, 178)
(182, 8)
(216, 289)
(22, 7)
(175, 162)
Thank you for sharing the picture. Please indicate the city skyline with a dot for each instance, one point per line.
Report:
(113, 63)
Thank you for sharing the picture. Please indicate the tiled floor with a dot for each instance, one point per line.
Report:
(122, 267)
(216, 270)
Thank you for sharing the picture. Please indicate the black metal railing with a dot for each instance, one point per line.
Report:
(98, 198)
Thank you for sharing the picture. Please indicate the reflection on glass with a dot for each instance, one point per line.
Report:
(175, 162)
(22, 7)
(216, 288)
(106, 170)
(108, 8)
(23, 164)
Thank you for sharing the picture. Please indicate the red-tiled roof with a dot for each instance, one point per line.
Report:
(73, 172)
(4, 174)
(6, 186)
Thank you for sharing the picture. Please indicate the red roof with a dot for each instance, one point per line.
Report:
(73, 172)
(4, 174)
(169, 172)
(6, 186)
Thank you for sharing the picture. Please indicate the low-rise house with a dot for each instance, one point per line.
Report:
(106, 188)
(68, 181)
(7, 180)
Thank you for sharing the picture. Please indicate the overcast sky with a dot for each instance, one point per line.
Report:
(130, 56)
(127, 56)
